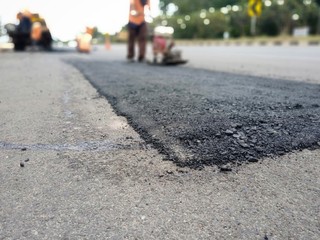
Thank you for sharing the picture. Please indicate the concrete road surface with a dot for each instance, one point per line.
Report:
(70, 168)
(285, 62)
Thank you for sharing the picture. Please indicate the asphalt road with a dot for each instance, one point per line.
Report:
(72, 168)
(199, 117)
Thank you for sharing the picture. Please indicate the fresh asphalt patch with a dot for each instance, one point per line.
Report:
(198, 117)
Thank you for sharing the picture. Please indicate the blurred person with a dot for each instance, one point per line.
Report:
(137, 29)
(36, 33)
(25, 24)
(20, 33)
(40, 34)
(31, 30)
(84, 41)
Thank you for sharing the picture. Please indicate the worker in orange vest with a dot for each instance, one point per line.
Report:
(36, 32)
(137, 29)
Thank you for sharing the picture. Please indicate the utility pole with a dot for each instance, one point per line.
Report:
(318, 27)
(253, 25)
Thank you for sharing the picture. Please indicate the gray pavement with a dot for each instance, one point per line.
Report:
(284, 62)
(70, 168)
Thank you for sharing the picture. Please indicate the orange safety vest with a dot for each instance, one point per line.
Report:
(36, 31)
(136, 14)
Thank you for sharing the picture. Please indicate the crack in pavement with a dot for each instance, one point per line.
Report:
(96, 146)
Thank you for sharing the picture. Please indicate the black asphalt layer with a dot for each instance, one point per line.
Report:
(198, 117)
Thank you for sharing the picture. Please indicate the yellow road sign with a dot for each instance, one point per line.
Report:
(254, 8)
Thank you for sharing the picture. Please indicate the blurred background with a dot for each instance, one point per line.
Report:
(201, 19)
(233, 18)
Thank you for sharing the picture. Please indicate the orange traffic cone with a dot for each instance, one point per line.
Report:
(107, 42)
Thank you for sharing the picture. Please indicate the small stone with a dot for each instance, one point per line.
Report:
(297, 106)
(218, 135)
(27, 160)
(259, 149)
(181, 171)
(285, 132)
(244, 145)
(21, 164)
(236, 135)
(24, 149)
(236, 125)
(229, 132)
(253, 140)
(242, 135)
(226, 168)
(252, 159)
(272, 131)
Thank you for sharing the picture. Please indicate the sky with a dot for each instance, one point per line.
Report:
(67, 18)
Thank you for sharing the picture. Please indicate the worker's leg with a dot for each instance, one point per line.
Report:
(142, 39)
(131, 40)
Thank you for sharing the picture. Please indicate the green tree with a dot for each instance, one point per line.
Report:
(278, 18)
(239, 25)
(189, 6)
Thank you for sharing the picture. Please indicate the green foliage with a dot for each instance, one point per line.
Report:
(269, 24)
(217, 24)
(274, 20)
(188, 6)
(239, 24)
(312, 18)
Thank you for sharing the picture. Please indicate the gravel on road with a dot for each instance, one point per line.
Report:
(199, 117)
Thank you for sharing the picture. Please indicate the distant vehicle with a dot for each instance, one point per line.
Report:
(31, 31)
